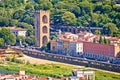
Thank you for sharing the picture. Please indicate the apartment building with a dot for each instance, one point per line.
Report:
(18, 31)
(77, 45)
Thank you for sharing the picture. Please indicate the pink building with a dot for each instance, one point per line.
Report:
(98, 48)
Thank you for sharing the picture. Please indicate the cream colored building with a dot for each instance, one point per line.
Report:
(18, 31)
(89, 75)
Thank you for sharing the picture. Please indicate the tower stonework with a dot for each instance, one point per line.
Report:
(42, 27)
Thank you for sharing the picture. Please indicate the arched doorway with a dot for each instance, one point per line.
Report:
(44, 40)
(44, 29)
(44, 19)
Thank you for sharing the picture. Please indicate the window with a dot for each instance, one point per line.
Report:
(44, 29)
(44, 40)
(45, 19)
(53, 48)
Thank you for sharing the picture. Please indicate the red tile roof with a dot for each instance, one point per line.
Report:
(16, 29)
(43, 78)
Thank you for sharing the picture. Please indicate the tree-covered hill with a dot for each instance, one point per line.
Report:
(93, 13)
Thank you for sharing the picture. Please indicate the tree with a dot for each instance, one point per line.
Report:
(28, 20)
(116, 34)
(4, 21)
(110, 28)
(24, 25)
(94, 40)
(101, 41)
(83, 21)
(76, 10)
(98, 7)
(55, 2)
(97, 32)
(22, 38)
(107, 8)
(28, 7)
(68, 18)
(1, 42)
(57, 18)
(30, 32)
(46, 46)
(103, 19)
(31, 40)
(18, 14)
(116, 8)
(8, 36)
(60, 5)
(12, 22)
(105, 41)
(38, 1)
(86, 7)
(1, 4)
(108, 41)
(45, 5)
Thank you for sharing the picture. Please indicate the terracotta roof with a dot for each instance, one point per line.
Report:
(81, 34)
(114, 38)
(71, 40)
(83, 78)
(16, 29)
(89, 37)
(67, 33)
(43, 78)
(56, 79)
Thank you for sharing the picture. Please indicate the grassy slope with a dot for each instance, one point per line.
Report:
(54, 70)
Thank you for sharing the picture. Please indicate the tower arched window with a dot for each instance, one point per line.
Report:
(44, 29)
(44, 40)
(44, 19)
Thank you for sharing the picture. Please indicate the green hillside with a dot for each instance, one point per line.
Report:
(93, 13)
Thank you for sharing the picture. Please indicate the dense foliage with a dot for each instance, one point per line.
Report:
(83, 13)
(7, 37)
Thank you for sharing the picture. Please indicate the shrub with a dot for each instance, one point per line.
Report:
(19, 61)
(7, 59)
(34, 64)
(20, 55)
(27, 63)
(1, 62)
(13, 59)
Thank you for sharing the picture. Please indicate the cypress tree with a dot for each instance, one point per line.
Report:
(101, 41)
(94, 40)
(105, 41)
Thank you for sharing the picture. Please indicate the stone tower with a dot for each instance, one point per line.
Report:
(42, 27)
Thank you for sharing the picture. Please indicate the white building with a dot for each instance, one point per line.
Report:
(60, 46)
(89, 75)
(18, 31)
(76, 48)
(68, 44)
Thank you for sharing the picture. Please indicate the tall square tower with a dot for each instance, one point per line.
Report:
(42, 27)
